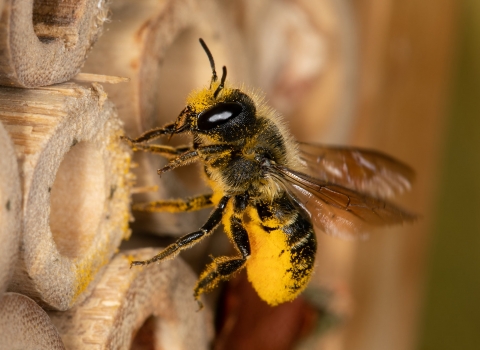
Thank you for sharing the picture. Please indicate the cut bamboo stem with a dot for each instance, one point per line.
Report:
(46, 42)
(25, 325)
(10, 216)
(129, 306)
(75, 183)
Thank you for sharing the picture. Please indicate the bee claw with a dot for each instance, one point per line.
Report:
(126, 138)
(129, 141)
(200, 305)
(163, 170)
(137, 263)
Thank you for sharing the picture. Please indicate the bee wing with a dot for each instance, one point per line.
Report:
(362, 170)
(338, 210)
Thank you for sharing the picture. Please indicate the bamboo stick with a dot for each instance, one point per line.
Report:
(75, 184)
(129, 306)
(26, 326)
(10, 200)
(46, 42)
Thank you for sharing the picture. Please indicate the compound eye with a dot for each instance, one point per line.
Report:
(218, 115)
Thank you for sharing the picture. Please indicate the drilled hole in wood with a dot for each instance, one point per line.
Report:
(57, 19)
(77, 199)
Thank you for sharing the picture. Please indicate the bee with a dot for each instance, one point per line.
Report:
(268, 190)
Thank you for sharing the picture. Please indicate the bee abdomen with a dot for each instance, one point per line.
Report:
(282, 260)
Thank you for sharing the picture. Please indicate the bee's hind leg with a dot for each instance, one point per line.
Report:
(176, 205)
(191, 239)
(222, 268)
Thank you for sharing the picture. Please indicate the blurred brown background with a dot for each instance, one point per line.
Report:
(430, 57)
(451, 310)
(414, 67)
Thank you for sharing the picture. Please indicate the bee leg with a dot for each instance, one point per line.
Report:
(191, 239)
(192, 155)
(184, 159)
(176, 206)
(153, 134)
(162, 150)
(222, 268)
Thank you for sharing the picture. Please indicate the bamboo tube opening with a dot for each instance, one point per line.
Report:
(57, 19)
(76, 188)
(77, 199)
(43, 42)
(139, 308)
(145, 337)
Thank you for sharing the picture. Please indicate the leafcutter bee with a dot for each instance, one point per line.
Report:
(268, 190)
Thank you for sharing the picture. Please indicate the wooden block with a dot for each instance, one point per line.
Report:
(75, 186)
(153, 306)
(46, 42)
(25, 325)
(10, 215)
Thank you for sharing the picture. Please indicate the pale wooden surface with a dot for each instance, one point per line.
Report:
(10, 215)
(124, 299)
(26, 326)
(75, 186)
(46, 42)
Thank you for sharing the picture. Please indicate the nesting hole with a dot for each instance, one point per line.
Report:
(145, 337)
(57, 19)
(77, 199)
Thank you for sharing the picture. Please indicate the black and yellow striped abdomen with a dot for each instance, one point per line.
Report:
(283, 247)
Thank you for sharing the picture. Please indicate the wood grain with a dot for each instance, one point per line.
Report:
(153, 305)
(46, 42)
(75, 187)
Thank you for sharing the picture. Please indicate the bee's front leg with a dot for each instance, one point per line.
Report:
(192, 238)
(191, 156)
(151, 135)
(184, 159)
(168, 152)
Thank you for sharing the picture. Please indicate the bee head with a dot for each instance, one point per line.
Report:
(222, 113)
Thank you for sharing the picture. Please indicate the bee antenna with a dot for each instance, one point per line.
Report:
(210, 58)
(222, 82)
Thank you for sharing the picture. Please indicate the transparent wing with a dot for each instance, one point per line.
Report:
(362, 170)
(338, 210)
